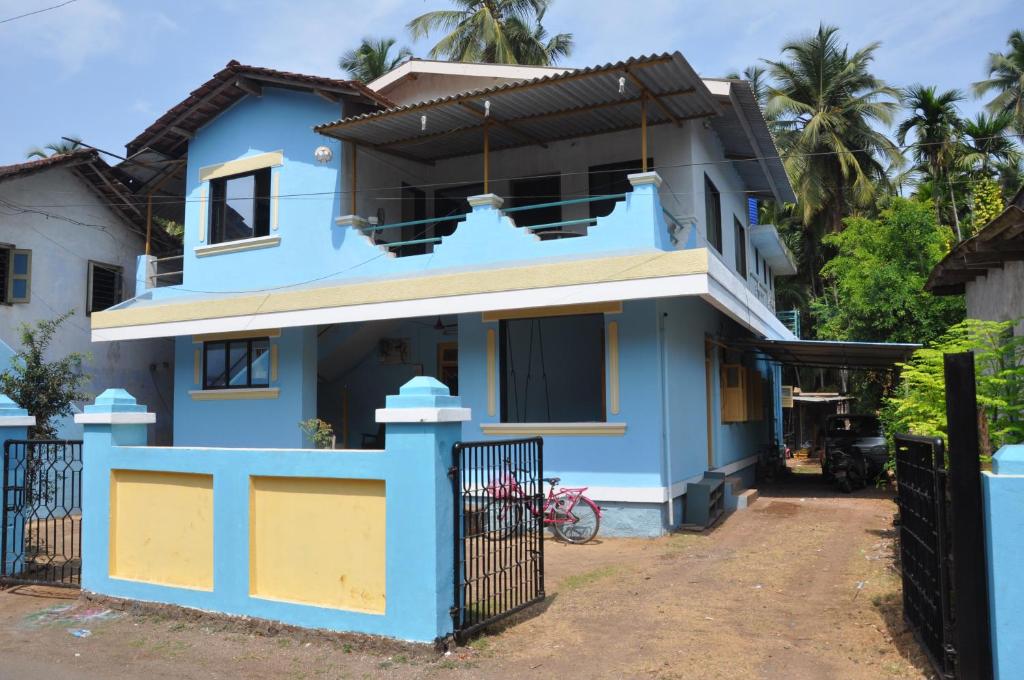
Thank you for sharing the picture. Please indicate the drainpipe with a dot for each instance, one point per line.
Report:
(665, 449)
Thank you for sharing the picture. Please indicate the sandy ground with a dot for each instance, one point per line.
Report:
(800, 586)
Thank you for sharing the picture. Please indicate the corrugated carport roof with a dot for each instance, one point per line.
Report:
(833, 353)
(563, 106)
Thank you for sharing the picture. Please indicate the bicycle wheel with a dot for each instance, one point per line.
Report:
(584, 521)
(502, 518)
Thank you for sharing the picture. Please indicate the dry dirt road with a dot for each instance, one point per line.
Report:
(800, 586)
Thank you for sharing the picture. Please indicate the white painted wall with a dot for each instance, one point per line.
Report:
(998, 296)
(60, 255)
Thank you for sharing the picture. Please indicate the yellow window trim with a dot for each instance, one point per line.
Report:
(235, 395)
(556, 429)
(202, 215)
(256, 243)
(613, 366)
(240, 165)
(275, 194)
(238, 335)
(614, 307)
(197, 366)
(492, 373)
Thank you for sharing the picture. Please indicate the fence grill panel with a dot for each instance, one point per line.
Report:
(499, 530)
(921, 483)
(42, 512)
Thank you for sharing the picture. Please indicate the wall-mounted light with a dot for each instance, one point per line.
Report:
(323, 154)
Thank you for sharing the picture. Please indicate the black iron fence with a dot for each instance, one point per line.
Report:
(499, 530)
(42, 512)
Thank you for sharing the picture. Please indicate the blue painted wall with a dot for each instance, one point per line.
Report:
(267, 423)
(1004, 542)
(418, 510)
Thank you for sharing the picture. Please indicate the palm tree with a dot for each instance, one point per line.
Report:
(986, 141)
(825, 106)
(65, 145)
(936, 124)
(1006, 77)
(757, 76)
(493, 31)
(372, 59)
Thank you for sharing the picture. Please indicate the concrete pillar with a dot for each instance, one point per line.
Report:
(14, 424)
(114, 419)
(1004, 544)
(423, 422)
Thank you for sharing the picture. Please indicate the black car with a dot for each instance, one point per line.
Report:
(855, 450)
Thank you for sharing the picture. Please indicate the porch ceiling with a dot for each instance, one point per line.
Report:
(833, 354)
(536, 112)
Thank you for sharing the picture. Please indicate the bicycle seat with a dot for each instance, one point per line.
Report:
(552, 480)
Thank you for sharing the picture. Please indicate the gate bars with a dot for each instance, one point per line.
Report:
(41, 539)
(499, 530)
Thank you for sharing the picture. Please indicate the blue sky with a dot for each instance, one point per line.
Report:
(105, 69)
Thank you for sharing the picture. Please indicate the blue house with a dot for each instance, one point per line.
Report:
(571, 251)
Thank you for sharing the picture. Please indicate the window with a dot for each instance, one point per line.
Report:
(233, 364)
(552, 369)
(15, 275)
(734, 393)
(612, 178)
(740, 246)
(713, 213)
(104, 287)
(240, 206)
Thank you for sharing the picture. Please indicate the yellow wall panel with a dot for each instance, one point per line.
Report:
(318, 541)
(161, 528)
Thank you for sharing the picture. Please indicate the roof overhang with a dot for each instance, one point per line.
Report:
(560, 106)
(871, 356)
(1000, 241)
(413, 68)
(765, 237)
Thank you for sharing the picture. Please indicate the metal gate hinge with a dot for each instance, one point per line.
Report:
(452, 471)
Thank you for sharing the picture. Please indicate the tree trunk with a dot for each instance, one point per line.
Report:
(956, 216)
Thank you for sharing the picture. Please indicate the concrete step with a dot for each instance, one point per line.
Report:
(735, 482)
(745, 498)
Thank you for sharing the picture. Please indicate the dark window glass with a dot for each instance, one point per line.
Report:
(552, 369)
(105, 287)
(611, 178)
(5, 263)
(237, 363)
(534, 191)
(240, 206)
(215, 370)
(713, 213)
(740, 247)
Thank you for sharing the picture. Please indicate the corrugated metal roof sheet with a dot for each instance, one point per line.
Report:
(832, 353)
(563, 106)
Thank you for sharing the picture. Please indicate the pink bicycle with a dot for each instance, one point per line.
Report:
(573, 517)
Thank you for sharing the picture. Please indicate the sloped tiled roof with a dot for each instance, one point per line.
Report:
(170, 132)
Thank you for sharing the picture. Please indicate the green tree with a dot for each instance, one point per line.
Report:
(918, 405)
(757, 76)
(987, 142)
(874, 286)
(47, 389)
(935, 122)
(493, 31)
(55, 148)
(826, 107)
(372, 59)
(1006, 79)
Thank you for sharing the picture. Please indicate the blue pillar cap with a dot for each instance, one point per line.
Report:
(1009, 460)
(9, 408)
(422, 391)
(115, 400)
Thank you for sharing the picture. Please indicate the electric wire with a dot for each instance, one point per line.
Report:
(38, 11)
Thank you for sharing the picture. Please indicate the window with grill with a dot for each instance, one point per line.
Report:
(15, 275)
(105, 287)
(236, 364)
(240, 206)
(713, 213)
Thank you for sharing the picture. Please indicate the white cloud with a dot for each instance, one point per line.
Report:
(70, 35)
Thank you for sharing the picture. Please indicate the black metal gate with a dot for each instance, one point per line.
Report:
(499, 530)
(942, 551)
(42, 512)
(921, 484)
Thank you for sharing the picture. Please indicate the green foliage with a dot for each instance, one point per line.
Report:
(988, 202)
(55, 148)
(172, 227)
(46, 389)
(1006, 79)
(874, 286)
(319, 432)
(918, 405)
(372, 59)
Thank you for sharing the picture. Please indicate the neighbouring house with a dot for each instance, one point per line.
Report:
(988, 269)
(70, 234)
(571, 251)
